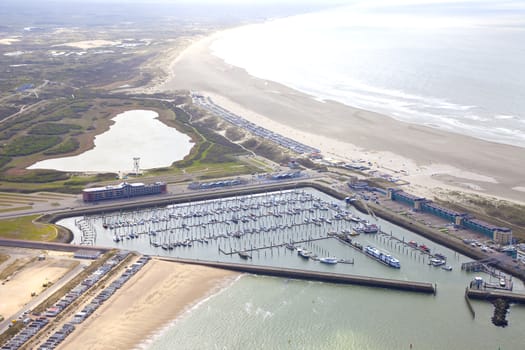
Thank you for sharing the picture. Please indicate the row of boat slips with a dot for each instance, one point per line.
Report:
(306, 254)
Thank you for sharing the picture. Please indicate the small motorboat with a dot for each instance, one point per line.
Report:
(244, 255)
(329, 260)
(436, 262)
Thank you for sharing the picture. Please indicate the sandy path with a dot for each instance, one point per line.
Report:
(431, 157)
(151, 299)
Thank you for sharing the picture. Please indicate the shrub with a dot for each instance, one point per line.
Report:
(25, 145)
(67, 146)
(53, 129)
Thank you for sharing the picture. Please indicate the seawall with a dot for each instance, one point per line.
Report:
(420, 287)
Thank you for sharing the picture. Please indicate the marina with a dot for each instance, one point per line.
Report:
(263, 233)
(302, 229)
(258, 224)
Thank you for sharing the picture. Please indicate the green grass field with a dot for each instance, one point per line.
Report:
(27, 229)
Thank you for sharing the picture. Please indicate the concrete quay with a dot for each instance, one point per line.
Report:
(411, 286)
(484, 294)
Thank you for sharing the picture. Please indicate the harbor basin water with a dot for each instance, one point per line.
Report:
(301, 314)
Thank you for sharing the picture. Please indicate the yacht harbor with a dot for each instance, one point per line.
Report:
(260, 224)
(300, 234)
(298, 229)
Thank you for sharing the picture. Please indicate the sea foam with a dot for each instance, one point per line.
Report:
(416, 64)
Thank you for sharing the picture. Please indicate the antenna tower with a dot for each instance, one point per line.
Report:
(136, 166)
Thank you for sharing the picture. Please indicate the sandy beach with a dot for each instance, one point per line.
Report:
(152, 299)
(430, 159)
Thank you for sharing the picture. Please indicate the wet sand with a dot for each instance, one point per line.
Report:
(432, 158)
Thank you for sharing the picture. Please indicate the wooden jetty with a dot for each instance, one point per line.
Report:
(406, 244)
(411, 286)
(273, 246)
(482, 266)
(485, 266)
(484, 294)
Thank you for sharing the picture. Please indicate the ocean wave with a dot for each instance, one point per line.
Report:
(504, 116)
(321, 56)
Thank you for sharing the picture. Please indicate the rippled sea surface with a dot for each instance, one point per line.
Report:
(454, 65)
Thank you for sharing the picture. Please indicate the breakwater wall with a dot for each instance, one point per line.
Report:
(411, 286)
(64, 247)
(495, 294)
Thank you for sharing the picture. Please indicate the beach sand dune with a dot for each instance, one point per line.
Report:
(350, 133)
(153, 298)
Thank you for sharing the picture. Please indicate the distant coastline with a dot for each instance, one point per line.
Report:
(428, 76)
(431, 160)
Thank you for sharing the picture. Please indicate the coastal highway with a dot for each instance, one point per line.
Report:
(175, 192)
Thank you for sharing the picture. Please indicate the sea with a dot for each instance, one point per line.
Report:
(452, 65)
(278, 313)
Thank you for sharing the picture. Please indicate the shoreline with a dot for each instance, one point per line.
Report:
(149, 304)
(212, 293)
(427, 158)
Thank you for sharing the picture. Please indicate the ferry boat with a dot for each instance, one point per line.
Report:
(385, 258)
(329, 260)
